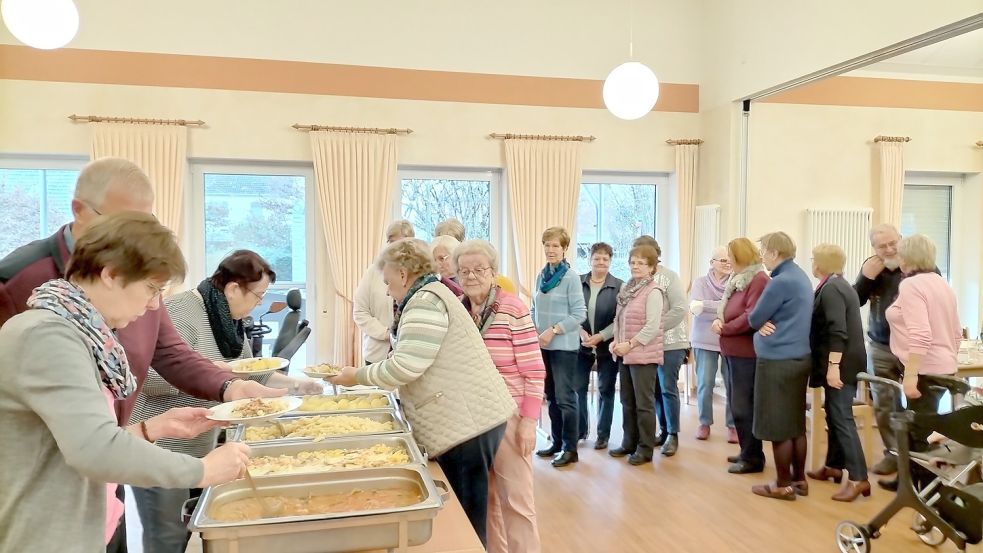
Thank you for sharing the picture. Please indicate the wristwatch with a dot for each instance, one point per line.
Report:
(224, 388)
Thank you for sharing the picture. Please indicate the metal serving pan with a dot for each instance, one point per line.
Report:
(406, 441)
(387, 395)
(390, 529)
(400, 426)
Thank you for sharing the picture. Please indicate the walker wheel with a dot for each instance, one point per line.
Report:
(852, 537)
(929, 534)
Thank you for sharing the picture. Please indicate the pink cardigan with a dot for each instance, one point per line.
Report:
(513, 344)
(925, 320)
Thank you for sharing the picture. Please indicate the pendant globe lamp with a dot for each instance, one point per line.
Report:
(43, 24)
(631, 89)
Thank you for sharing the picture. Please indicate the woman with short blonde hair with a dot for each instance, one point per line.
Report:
(828, 259)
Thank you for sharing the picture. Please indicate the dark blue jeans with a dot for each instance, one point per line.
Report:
(561, 394)
(607, 377)
(844, 450)
(466, 467)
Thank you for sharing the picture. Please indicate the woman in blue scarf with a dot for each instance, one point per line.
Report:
(558, 309)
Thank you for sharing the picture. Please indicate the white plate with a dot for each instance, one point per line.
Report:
(240, 362)
(223, 412)
(309, 371)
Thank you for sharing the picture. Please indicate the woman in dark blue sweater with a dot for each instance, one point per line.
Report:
(783, 316)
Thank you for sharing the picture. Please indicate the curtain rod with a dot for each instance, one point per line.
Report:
(309, 128)
(107, 119)
(880, 138)
(510, 136)
(679, 141)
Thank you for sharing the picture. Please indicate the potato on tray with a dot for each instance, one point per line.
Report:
(344, 402)
(317, 428)
(378, 455)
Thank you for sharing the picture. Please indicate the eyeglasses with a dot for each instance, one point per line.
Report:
(476, 273)
(258, 296)
(92, 207)
(725, 261)
(442, 258)
(156, 291)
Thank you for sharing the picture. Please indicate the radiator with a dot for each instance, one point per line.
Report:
(706, 238)
(847, 228)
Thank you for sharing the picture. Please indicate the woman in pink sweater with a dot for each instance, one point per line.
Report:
(512, 341)
(924, 324)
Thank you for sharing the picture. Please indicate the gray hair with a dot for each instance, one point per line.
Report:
(718, 252)
(478, 247)
(411, 254)
(448, 242)
(450, 227)
(882, 229)
(99, 175)
(401, 227)
(918, 252)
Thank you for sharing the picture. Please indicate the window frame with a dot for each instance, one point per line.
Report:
(43, 162)
(954, 185)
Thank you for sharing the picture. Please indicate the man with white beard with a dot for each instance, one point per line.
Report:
(878, 283)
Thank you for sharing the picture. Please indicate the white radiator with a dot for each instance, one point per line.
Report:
(847, 228)
(707, 237)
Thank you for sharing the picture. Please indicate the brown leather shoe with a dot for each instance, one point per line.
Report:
(769, 490)
(826, 473)
(851, 490)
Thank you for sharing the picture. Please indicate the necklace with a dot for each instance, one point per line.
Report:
(597, 281)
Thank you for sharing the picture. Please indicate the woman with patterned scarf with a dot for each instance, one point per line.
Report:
(638, 342)
(209, 319)
(746, 284)
(512, 341)
(64, 369)
(558, 309)
(450, 390)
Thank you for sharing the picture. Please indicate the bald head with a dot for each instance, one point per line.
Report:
(110, 185)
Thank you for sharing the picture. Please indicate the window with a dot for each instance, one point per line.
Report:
(33, 204)
(927, 209)
(616, 213)
(264, 211)
(427, 197)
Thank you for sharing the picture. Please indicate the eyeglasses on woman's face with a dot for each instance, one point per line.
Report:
(477, 272)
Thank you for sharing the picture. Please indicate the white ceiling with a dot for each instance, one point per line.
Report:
(958, 59)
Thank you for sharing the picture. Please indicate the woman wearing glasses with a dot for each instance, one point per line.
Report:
(209, 319)
(705, 297)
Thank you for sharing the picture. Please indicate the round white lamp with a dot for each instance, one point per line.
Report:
(44, 24)
(631, 90)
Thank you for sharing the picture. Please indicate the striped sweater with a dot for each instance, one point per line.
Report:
(187, 310)
(513, 343)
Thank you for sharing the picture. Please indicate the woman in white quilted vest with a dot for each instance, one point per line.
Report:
(451, 391)
(638, 342)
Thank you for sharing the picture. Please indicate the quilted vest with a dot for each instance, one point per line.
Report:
(462, 395)
(631, 319)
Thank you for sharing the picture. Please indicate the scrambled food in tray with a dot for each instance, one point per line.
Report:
(257, 365)
(323, 369)
(259, 407)
(284, 506)
(343, 402)
(317, 428)
(378, 455)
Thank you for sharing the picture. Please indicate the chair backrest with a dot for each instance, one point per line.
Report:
(290, 349)
(288, 330)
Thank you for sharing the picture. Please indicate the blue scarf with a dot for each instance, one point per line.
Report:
(550, 278)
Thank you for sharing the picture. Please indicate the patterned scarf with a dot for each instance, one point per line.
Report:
(737, 283)
(229, 333)
(632, 289)
(488, 309)
(69, 302)
(420, 283)
(550, 278)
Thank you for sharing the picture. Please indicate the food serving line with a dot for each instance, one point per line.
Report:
(331, 474)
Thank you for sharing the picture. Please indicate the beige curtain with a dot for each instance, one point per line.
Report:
(687, 164)
(544, 187)
(891, 188)
(161, 151)
(355, 176)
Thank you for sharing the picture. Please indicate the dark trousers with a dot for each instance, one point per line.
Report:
(118, 542)
(561, 394)
(844, 450)
(927, 403)
(607, 377)
(638, 394)
(466, 467)
(741, 375)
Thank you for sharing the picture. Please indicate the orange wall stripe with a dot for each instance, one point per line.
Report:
(183, 71)
(886, 93)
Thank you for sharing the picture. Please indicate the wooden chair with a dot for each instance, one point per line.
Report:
(863, 413)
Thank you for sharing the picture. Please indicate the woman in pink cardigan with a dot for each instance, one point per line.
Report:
(925, 331)
(512, 341)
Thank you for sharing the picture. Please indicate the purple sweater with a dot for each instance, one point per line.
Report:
(707, 290)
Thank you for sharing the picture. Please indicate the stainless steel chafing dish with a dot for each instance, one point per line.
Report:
(354, 394)
(392, 529)
(400, 426)
(416, 454)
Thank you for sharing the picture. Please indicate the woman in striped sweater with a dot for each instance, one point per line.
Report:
(209, 319)
(510, 336)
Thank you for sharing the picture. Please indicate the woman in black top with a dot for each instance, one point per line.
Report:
(838, 355)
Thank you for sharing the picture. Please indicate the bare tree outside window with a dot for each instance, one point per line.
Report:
(426, 202)
(616, 214)
(34, 203)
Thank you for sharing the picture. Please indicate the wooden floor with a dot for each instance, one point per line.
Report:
(687, 503)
